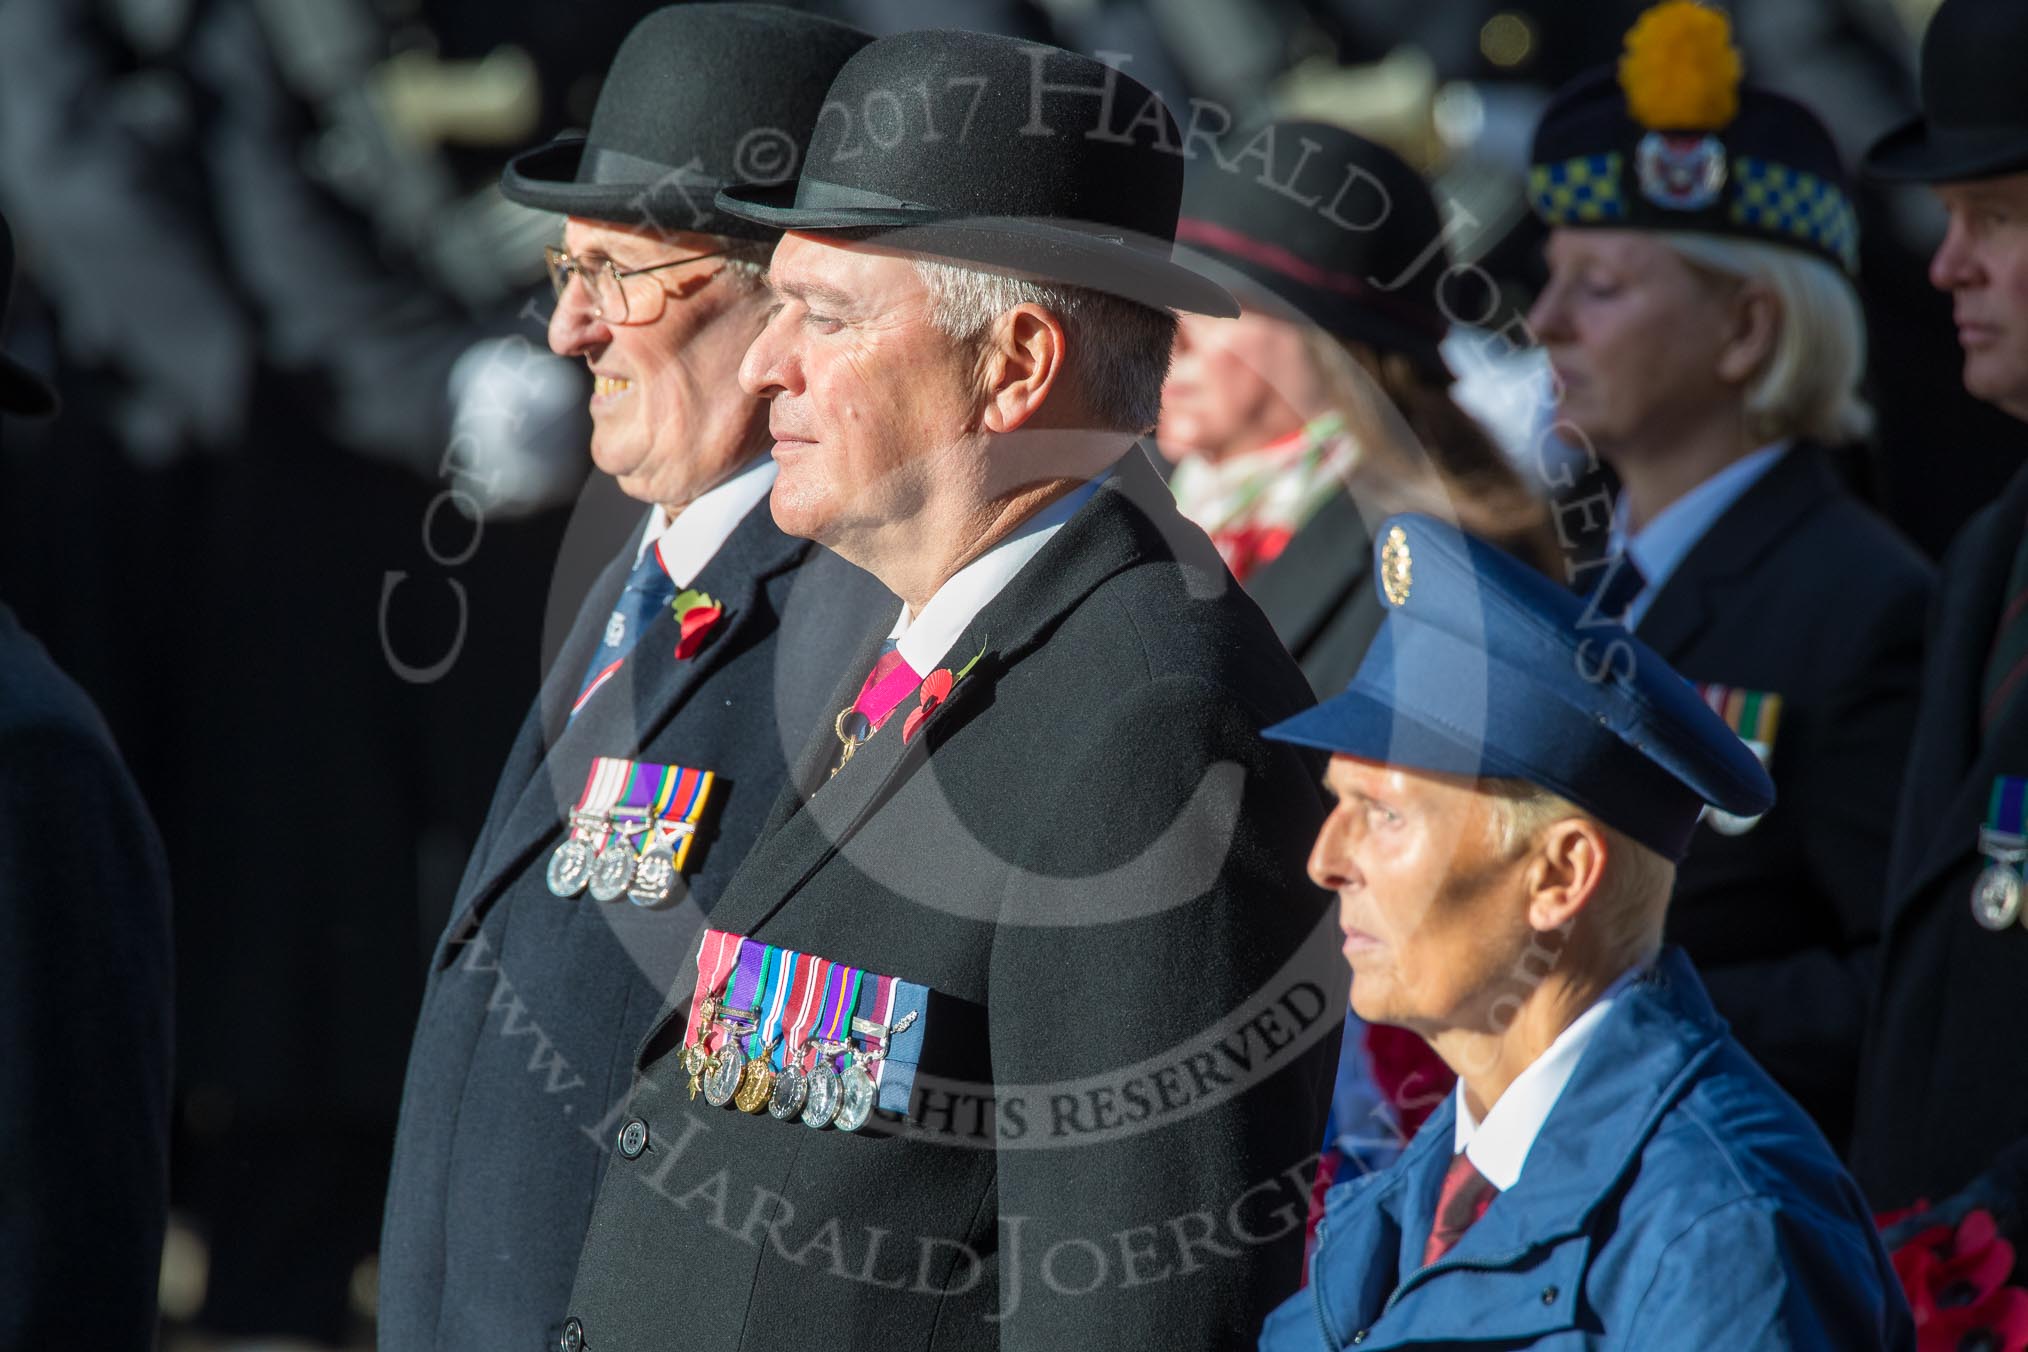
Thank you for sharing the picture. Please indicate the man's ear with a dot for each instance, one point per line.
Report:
(1568, 869)
(1756, 324)
(1022, 364)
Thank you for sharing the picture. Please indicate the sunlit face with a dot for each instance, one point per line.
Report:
(1234, 386)
(1634, 335)
(1983, 264)
(867, 402)
(669, 420)
(1433, 912)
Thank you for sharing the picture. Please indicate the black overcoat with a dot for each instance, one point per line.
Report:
(1318, 594)
(535, 1004)
(1945, 1084)
(1800, 590)
(1095, 861)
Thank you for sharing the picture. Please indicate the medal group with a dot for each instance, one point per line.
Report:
(1996, 895)
(631, 831)
(799, 1037)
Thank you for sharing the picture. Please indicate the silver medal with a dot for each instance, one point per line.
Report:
(613, 869)
(825, 1092)
(1996, 896)
(570, 867)
(792, 1091)
(721, 1081)
(856, 1099)
(654, 875)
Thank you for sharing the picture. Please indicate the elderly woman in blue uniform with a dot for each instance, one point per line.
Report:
(1515, 781)
(1702, 322)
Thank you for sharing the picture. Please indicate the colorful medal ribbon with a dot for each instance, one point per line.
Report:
(841, 997)
(774, 1001)
(603, 788)
(2006, 829)
(806, 999)
(746, 979)
(717, 953)
(669, 797)
(898, 1007)
(1753, 714)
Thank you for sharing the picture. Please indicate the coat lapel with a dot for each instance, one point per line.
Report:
(1951, 770)
(1327, 560)
(1726, 558)
(1127, 520)
(636, 704)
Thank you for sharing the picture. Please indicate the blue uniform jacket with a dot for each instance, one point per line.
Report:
(1675, 1198)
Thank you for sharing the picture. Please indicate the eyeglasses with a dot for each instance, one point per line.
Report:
(616, 296)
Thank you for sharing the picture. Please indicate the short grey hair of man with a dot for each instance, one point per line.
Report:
(1633, 897)
(1810, 384)
(1118, 349)
(746, 263)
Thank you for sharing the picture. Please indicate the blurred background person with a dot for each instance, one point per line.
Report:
(1707, 344)
(85, 998)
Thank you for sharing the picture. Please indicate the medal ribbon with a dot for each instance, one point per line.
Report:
(904, 1049)
(2007, 808)
(746, 978)
(806, 997)
(776, 1000)
(603, 786)
(841, 996)
(716, 954)
(769, 965)
(1753, 714)
(668, 796)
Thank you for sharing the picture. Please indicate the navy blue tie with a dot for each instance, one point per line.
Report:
(1623, 585)
(648, 591)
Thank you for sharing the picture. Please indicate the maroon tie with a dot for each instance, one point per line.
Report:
(1466, 1195)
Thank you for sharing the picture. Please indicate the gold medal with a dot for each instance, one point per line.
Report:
(756, 1087)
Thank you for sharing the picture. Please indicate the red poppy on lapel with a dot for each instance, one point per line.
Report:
(934, 690)
(697, 615)
(1956, 1282)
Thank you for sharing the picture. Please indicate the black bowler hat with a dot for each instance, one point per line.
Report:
(698, 96)
(1974, 99)
(1339, 228)
(1671, 140)
(1007, 154)
(22, 392)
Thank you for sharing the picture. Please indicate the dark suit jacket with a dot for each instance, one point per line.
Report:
(1801, 590)
(85, 1000)
(1096, 863)
(1318, 594)
(1944, 1089)
(535, 1004)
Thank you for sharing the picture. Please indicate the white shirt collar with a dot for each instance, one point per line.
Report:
(1499, 1145)
(690, 541)
(1661, 545)
(925, 640)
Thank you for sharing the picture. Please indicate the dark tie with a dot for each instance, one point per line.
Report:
(2007, 662)
(1623, 583)
(648, 590)
(1466, 1195)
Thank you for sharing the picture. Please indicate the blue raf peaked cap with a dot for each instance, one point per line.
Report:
(1484, 667)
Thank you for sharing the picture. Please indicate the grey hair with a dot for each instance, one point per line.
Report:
(1632, 903)
(1810, 385)
(746, 263)
(1119, 349)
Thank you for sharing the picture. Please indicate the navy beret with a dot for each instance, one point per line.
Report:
(1484, 667)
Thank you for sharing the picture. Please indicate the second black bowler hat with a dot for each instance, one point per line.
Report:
(1010, 155)
(698, 96)
(1974, 121)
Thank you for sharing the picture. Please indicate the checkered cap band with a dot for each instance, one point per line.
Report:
(1791, 203)
(1586, 188)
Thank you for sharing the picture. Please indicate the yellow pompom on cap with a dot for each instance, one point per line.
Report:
(1681, 71)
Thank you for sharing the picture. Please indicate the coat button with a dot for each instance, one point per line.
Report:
(1549, 1294)
(634, 1139)
(573, 1335)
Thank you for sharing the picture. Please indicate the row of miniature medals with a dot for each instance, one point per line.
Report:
(631, 831)
(791, 1053)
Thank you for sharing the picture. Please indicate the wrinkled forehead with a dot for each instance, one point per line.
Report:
(629, 243)
(843, 276)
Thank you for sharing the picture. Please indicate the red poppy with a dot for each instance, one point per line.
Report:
(1957, 1287)
(697, 622)
(934, 690)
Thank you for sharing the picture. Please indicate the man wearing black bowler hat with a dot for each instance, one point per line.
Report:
(1041, 818)
(1943, 1110)
(669, 700)
(84, 995)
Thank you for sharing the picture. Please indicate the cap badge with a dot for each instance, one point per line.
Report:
(1396, 567)
(1680, 171)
